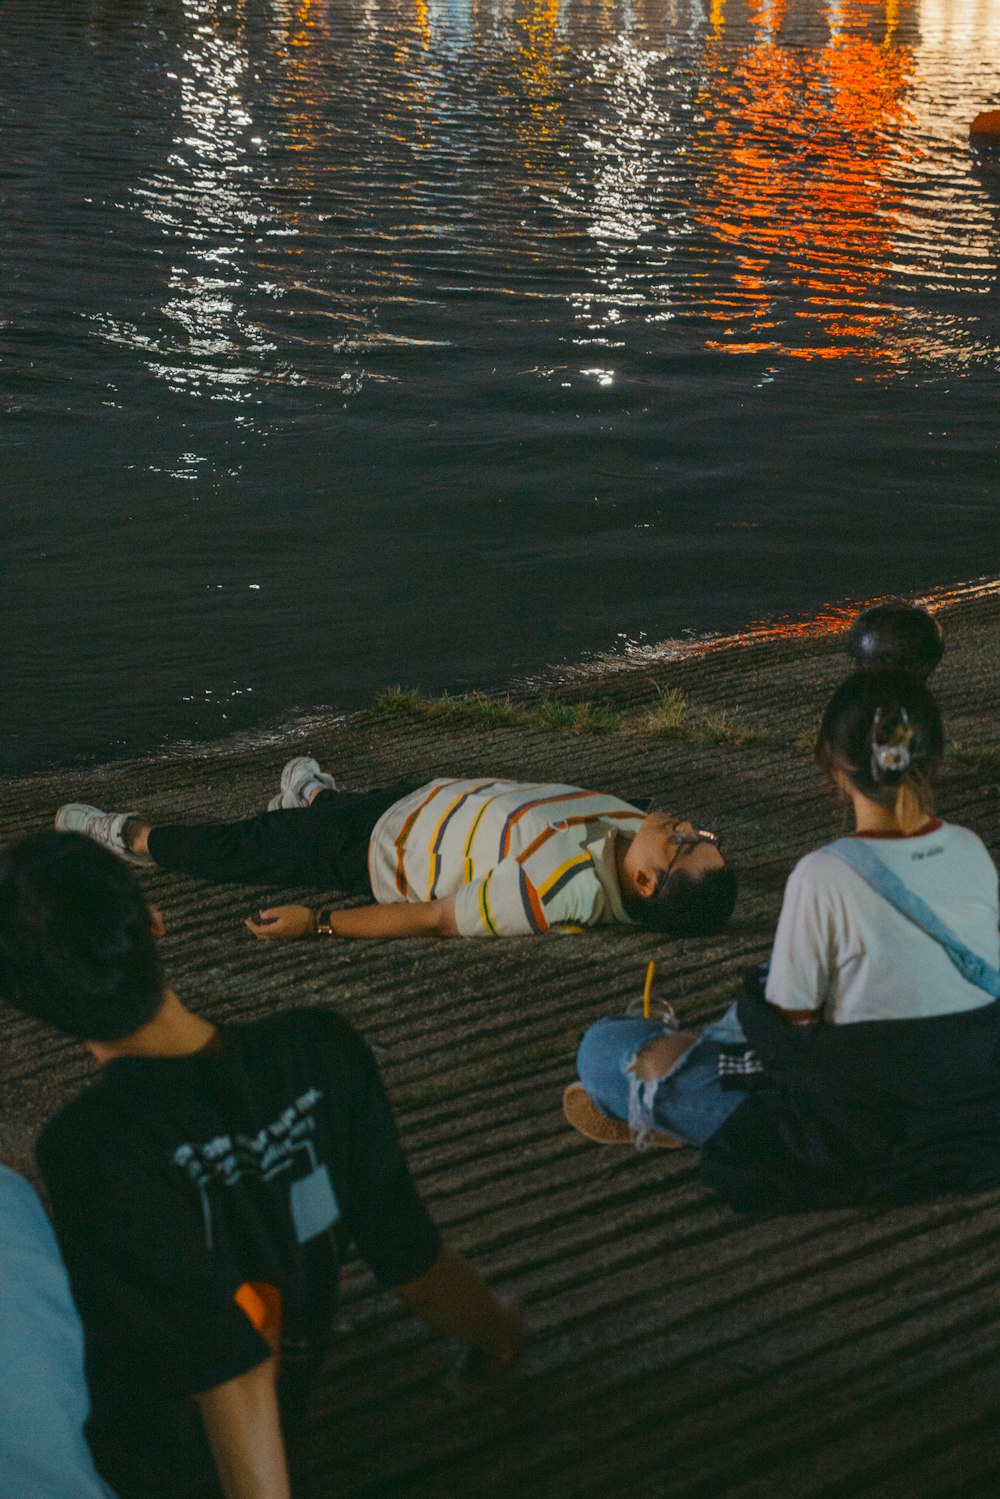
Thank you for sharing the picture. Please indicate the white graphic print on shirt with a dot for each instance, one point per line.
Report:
(279, 1146)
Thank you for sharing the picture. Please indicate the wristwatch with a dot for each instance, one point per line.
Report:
(323, 927)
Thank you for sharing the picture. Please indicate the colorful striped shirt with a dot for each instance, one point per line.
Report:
(518, 858)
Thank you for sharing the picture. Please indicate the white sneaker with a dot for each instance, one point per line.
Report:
(296, 775)
(107, 828)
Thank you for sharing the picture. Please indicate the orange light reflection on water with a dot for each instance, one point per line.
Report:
(801, 181)
(538, 68)
(834, 618)
(306, 26)
(829, 619)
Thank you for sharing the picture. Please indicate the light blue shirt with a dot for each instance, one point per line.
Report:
(43, 1397)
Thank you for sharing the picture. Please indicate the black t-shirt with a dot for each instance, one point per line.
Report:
(175, 1181)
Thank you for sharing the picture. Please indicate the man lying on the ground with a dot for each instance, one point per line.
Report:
(468, 858)
(45, 1402)
(204, 1191)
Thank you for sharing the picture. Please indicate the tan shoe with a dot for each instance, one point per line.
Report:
(585, 1117)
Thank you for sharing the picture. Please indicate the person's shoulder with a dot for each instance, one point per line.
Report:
(28, 1247)
(967, 845)
(962, 839)
(82, 1128)
(324, 1052)
(25, 1232)
(958, 848)
(817, 866)
(18, 1198)
(308, 1030)
(819, 876)
(302, 1021)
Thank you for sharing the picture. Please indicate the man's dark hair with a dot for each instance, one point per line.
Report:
(76, 946)
(899, 636)
(685, 905)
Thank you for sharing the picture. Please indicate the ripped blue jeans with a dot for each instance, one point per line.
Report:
(688, 1101)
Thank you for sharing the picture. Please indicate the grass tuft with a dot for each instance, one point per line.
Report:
(726, 728)
(668, 717)
(399, 700)
(463, 707)
(579, 718)
(496, 712)
(672, 717)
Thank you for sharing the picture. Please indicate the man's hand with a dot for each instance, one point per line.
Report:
(281, 921)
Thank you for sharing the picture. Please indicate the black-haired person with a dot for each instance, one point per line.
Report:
(896, 636)
(454, 857)
(873, 1044)
(205, 1188)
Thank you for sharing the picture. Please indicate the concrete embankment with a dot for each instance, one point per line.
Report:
(680, 1351)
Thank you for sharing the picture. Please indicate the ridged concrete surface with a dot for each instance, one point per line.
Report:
(679, 1350)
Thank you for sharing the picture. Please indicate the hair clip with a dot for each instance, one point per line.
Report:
(891, 756)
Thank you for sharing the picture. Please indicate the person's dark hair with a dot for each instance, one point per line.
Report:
(685, 906)
(882, 729)
(896, 635)
(76, 945)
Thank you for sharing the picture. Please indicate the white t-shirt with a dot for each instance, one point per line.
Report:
(842, 949)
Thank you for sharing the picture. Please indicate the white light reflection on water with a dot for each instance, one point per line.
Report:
(623, 177)
(636, 217)
(212, 203)
(207, 203)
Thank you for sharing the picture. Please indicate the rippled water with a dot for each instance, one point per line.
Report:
(351, 342)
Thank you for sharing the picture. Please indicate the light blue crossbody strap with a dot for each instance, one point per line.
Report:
(869, 866)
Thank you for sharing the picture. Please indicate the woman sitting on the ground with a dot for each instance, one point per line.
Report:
(866, 1060)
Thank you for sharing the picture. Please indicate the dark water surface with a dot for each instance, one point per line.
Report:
(352, 342)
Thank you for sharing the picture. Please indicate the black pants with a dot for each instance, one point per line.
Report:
(324, 844)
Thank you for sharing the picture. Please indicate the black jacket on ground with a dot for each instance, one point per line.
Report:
(891, 1110)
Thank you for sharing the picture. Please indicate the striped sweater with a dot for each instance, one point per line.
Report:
(519, 858)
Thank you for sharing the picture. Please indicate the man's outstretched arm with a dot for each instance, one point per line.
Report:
(243, 1428)
(434, 918)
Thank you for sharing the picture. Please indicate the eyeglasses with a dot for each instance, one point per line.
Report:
(684, 841)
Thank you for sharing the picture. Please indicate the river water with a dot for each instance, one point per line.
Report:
(437, 342)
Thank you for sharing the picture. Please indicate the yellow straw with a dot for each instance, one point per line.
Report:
(647, 990)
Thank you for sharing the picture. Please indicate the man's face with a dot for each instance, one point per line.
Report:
(657, 848)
